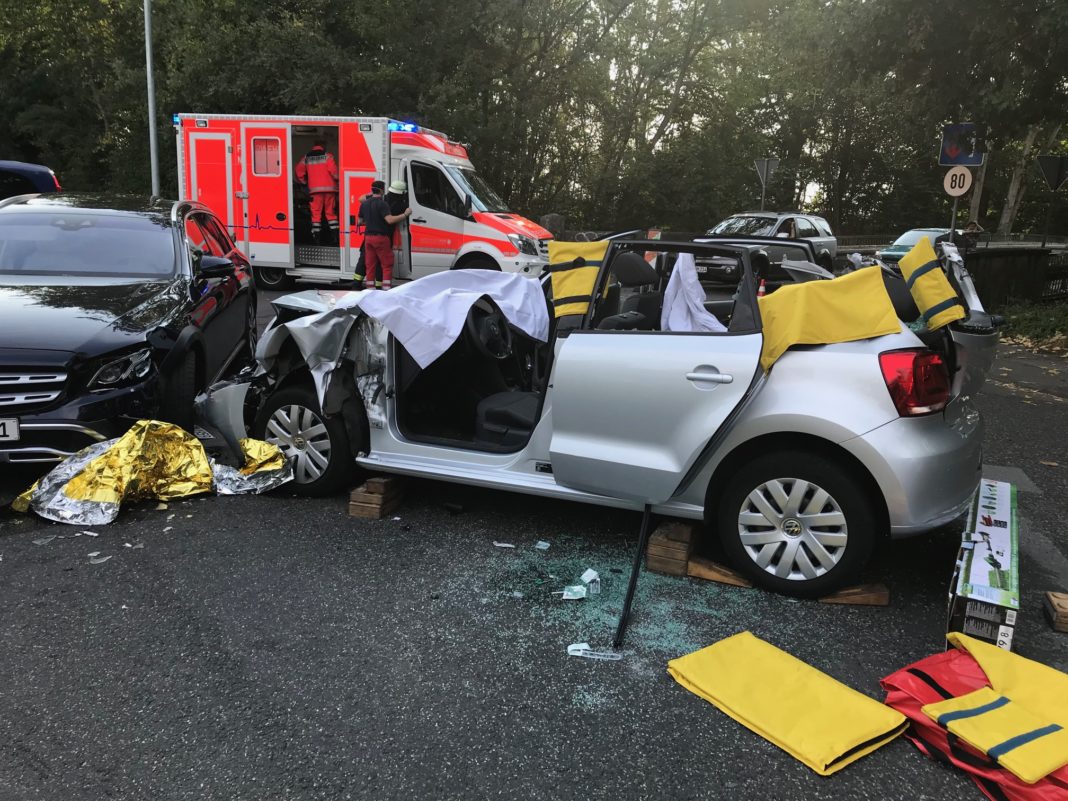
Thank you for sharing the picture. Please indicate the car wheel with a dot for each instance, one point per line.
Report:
(179, 391)
(479, 263)
(317, 445)
(272, 278)
(797, 523)
(252, 336)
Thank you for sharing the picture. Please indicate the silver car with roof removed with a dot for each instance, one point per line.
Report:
(798, 471)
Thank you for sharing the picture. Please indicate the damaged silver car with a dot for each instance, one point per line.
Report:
(799, 470)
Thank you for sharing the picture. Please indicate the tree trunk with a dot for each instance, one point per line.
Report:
(1015, 193)
(976, 207)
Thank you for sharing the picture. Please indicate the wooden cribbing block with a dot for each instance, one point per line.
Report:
(376, 498)
(373, 511)
(669, 549)
(383, 485)
(861, 595)
(1056, 606)
(707, 569)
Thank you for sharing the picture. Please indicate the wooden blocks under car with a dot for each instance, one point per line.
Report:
(1056, 606)
(376, 497)
(670, 553)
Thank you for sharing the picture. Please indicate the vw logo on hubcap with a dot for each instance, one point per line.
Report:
(791, 527)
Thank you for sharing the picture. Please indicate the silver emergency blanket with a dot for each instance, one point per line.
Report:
(684, 301)
(428, 315)
(151, 460)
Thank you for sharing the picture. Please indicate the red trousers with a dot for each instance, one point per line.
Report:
(378, 249)
(324, 203)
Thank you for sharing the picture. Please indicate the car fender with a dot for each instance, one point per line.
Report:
(480, 248)
(189, 339)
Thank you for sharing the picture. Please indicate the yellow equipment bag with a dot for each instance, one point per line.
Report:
(1039, 689)
(853, 306)
(814, 718)
(1025, 744)
(935, 297)
(573, 268)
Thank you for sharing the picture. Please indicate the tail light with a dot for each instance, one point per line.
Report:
(917, 379)
(55, 180)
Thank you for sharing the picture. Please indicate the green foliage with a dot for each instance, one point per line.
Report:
(616, 113)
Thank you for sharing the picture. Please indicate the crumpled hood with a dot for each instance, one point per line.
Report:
(509, 223)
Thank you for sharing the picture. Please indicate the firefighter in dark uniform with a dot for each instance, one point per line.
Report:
(317, 171)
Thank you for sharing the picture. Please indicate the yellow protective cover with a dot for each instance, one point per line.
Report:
(934, 295)
(1026, 744)
(573, 268)
(813, 717)
(853, 306)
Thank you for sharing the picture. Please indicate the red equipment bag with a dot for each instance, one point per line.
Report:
(949, 675)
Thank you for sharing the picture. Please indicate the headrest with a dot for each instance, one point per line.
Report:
(630, 269)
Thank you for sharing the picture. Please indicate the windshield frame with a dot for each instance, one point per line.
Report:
(461, 176)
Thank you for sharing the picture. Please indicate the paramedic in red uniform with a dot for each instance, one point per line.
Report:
(378, 236)
(318, 172)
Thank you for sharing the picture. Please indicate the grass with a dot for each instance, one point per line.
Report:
(1038, 326)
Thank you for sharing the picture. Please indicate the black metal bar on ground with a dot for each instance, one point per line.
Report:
(643, 540)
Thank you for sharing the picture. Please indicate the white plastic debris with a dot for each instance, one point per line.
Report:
(583, 649)
(541, 545)
(167, 528)
(171, 516)
(160, 507)
(139, 545)
(126, 545)
(573, 593)
(44, 540)
(592, 579)
(95, 553)
(517, 594)
(90, 533)
(503, 544)
(98, 560)
(396, 518)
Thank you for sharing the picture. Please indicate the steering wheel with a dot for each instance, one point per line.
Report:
(489, 331)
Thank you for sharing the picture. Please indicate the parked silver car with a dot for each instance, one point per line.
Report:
(791, 225)
(799, 471)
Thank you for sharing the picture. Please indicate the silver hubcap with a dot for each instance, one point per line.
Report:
(793, 529)
(303, 438)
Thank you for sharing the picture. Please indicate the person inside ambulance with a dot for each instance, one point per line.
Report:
(317, 171)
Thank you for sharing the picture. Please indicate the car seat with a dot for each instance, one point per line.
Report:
(641, 310)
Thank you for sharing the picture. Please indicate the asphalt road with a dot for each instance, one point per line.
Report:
(275, 648)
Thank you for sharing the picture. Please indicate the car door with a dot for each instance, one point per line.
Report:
(632, 410)
(437, 222)
(220, 307)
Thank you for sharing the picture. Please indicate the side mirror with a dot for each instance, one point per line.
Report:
(215, 267)
(782, 235)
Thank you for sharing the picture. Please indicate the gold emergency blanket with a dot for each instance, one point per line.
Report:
(934, 295)
(573, 268)
(1025, 744)
(151, 460)
(853, 306)
(814, 718)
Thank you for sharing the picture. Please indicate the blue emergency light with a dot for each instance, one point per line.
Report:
(407, 127)
(176, 120)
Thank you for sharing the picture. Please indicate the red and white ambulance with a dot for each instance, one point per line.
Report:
(242, 166)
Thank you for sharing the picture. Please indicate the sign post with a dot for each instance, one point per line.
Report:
(764, 168)
(957, 182)
(1055, 170)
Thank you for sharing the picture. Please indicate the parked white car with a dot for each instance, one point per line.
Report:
(799, 471)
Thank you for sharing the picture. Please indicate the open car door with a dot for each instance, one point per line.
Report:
(633, 410)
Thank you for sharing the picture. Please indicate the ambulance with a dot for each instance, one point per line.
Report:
(243, 167)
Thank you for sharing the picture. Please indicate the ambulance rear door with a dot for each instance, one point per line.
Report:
(267, 194)
(364, 152)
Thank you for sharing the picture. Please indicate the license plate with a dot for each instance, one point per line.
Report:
(9, 429)
(702, 268)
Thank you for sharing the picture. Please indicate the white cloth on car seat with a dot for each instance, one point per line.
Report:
(684, 301)
(427, 315)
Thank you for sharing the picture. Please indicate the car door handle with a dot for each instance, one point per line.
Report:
(418, 220)
(710, 378)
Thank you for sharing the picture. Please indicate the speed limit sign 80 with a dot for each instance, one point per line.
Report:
(957, 181)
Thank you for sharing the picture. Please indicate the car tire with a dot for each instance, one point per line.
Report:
(252, 337)
(179, 389)
(479, 263)
(318, 445)
(765, 520)
(272, 279)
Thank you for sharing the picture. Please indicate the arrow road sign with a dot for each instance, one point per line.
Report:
(1054, 169)
(764, 168)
